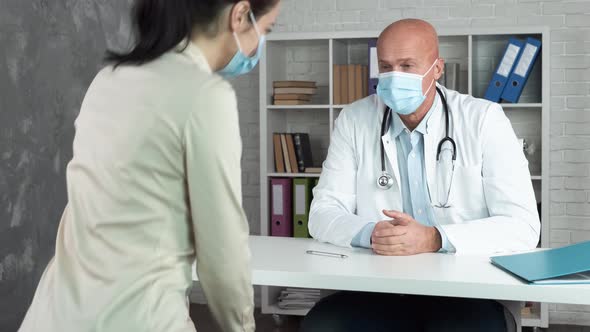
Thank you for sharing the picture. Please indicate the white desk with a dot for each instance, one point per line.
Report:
(284, 262)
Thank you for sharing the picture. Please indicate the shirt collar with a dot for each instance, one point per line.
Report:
(193, 51)
(399, 126)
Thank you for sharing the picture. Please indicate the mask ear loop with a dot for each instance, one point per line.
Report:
(238, 41)
(255, 29)
(426, 73)
(255, 24)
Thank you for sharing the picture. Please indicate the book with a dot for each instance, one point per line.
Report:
(293, 84)
(303, 151)
(292, 96)
(343, 84)
(291, 153)
(565, 265)
(278, 152)
(358, 82)
(350, 97)
(365, 79)
(305, 91)
(285, 153)
(291, 102)
(313, 170)
(336, 84)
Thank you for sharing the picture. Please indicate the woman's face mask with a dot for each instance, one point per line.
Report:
(241, 63)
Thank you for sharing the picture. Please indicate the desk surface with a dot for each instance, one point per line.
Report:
(284, 262)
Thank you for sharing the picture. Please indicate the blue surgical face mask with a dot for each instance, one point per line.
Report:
(402, 92)
(241, 63)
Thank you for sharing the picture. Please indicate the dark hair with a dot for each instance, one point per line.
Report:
(160, 25)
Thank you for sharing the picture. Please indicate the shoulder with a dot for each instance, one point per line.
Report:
(470, 111)
(361, 112)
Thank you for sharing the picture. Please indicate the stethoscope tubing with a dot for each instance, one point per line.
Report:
(385, 180)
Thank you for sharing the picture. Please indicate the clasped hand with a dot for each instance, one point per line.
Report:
(403, 236)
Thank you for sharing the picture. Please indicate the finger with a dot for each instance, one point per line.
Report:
(384, 224)
(391, 213)
(397, 216)
(384, 253)
(400, 222)
(387, 247)
(399, 252)
(391, 231)
(395, 253)
(387, 240)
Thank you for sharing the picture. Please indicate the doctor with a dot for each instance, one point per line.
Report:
(420, 168)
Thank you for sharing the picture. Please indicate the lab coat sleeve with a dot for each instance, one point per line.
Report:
(213, 151)
(363, 238)
(446, 246)
(513, 224)
(332, 215)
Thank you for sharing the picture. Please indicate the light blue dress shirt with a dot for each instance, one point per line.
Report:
(412, 173)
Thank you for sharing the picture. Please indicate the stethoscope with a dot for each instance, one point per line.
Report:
(385, 181)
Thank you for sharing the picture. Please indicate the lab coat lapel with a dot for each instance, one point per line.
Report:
(390, 150)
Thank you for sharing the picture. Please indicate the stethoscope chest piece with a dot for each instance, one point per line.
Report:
(385, 181)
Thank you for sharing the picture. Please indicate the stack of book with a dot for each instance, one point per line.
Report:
(298, 298)
(293, 153)
(350, 83)
(293, 92)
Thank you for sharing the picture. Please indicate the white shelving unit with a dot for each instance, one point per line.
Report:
(311, 56)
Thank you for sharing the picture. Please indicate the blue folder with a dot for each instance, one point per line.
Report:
(498, 83)
(565, 265)
(522, 70)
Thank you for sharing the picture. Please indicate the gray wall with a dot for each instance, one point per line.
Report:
(50, 51)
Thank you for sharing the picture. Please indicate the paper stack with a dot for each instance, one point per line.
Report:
(293, 92)
(298, 298)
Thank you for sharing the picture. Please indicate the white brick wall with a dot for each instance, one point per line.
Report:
(570, 91)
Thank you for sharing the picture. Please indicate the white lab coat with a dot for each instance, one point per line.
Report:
(493, 203)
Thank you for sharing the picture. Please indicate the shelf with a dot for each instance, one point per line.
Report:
(275, 310)
(294, 175)
(523, 105)
(531, 320)
(297, 107)
(536, 177)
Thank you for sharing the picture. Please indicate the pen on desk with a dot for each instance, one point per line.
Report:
(325, 253)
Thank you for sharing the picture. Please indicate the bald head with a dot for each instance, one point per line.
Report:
(410, 35)
(411, 46)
